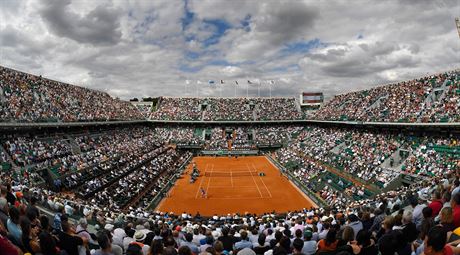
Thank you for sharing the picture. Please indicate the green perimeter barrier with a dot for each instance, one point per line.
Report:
(157, 199)
(313, 196)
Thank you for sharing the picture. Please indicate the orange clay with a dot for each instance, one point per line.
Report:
(237, 194)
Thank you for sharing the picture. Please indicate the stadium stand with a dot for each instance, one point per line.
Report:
(432, 98)
(226, 109)
(30, 98)
(379, 190)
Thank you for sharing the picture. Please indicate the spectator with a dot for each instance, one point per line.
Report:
(13, 225)
(6, 245)
(244, 243)
(298, 246)
(105, 245)
(188, 242)
(184, 250)
(446, 219)
(68, 241)
(262, 245)
(328, 244)
(156, 248)
(29, 238)
(436, 203)
(355, 224)
(3, 211)
(309, 247)
(366, 243)
(435, 242)
(455, 203)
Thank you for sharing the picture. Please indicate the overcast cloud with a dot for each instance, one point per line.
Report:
(163, 47)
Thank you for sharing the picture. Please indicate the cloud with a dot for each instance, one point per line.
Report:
(356, 58)
(149, 48)
(99, 26)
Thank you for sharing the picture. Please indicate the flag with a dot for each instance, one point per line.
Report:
(221, 81)
(249, 82)
(198, 82)
(272, 82)
(211, 82)
(187, 82)
(236, 82)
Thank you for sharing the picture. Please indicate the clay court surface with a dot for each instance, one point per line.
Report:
(231, 188)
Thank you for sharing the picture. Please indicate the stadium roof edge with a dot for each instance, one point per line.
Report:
(230, 97)
(348, 123)
(67, 124)
(357, 123)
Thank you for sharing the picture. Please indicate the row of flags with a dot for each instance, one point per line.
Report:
(212, 82)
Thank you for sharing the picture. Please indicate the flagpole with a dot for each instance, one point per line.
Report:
(258, 90)
(270, 89)
(235, 90)
(247, 89)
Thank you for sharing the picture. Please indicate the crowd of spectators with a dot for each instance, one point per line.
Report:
(399, 102)
(92, 149)
(31, 150)
(29, 98)
(362, 154)
(421, 219)
(179, 135)
(226, 109)
(133, 164)
(169, 108)
(359, 153)
(219, 109)
(315, 176)
(3, 157)
(277, 109)
(446, 109)
(145, 108)
(121, 192)
(276, 134)
(433, 156)
(88, 182)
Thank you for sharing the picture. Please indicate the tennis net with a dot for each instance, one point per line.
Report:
(230, 174)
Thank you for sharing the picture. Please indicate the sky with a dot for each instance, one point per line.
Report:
(175, 47)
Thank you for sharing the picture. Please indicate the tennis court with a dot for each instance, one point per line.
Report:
(234, 186)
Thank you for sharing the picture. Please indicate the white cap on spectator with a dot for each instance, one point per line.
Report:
(109, 227)
(246, 251)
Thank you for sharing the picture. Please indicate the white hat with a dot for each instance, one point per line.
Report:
(139, 236)
(109, 227)
(246, 251)
(119, 232)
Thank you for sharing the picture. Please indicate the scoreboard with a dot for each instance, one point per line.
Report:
(311, 98)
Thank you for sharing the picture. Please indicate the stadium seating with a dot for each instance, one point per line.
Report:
(29, 98)
(111, 176)
(432, 98)
(226, 109)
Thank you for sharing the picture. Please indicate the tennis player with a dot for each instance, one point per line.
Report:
(203, 193)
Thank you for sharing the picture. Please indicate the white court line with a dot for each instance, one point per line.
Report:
(212, 169)
(231, 178)
(253, 166)
(225, 186)
(240, 198)
(201, 182)
(247, 166)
